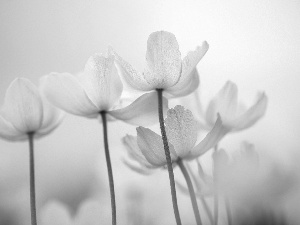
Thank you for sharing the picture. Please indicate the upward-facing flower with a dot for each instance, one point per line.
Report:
(164, 67)
(25, 110)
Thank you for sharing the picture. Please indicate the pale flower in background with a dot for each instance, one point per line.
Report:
(164, 67)
(26, 110)
(97, 89)
(148, 150)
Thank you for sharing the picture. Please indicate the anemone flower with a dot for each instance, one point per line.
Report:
(26, 115)
(168, 74)
(148, 148)
(95, 92)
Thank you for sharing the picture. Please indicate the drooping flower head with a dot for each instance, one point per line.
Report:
(97, 89)
(25, 110)
(164, 67)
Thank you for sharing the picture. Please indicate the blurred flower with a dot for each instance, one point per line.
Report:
(164, 67)
(97, 89)
(234, 115)
(25, 110)
(148, 150)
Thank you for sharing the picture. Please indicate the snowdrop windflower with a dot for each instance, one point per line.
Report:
(25, 110)
(98, 89)
(234, 115)
(164, 67)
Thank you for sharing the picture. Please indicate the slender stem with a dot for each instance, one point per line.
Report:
(168, 156)
(32, 180)
(228, 211)
(109, 170)
(191, 190)
(216, 197)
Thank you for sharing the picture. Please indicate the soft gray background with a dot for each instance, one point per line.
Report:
(254, 43)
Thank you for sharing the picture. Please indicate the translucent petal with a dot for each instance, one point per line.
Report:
(188, 88)
(163, 60)
(252, 115)
(101, 81)
(210, 140)
(9, 132)
(152, 147)
(130, 76)
(64, 91)
(137, 167)
(55, 213)
(181, 129)
(225, 103)
(143, 111)
(23, 106)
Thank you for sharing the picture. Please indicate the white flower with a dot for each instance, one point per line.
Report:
(25, 110)
(164, 67)
(98, 89)
(148, 150)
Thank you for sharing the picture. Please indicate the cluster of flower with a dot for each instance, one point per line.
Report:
(30, 112)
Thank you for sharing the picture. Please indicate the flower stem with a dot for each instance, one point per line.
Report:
(228, 211)
(168, 156)
(216, 197)
(191, 190)
(109, 169)
(32, 180)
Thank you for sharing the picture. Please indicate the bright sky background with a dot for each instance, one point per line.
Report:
(254, 43)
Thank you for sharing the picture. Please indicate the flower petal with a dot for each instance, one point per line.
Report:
(23, 106)
(64, 91)
(143, 111)
(101, 81)
(137, 167)
(178, 90)
(210, 140)
(181, 129)
(252, 115)
(129, 75)
(9, 132)
(152, 147)
(163, 60)
(225, 103)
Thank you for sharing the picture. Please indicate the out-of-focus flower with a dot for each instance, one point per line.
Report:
(164, 67)
(234, 115)
(98, 89)
(25, 110)
(147, 148)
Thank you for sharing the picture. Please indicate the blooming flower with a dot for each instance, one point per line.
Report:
(234, 115)
(164, 67)
(147, 148)
(97, 89)
(25, 110)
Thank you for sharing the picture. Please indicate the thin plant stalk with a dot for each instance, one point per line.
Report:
(32, 179)
(216, 197)
(109, 169)
(191, 190)
(228, 211)
(168, 156)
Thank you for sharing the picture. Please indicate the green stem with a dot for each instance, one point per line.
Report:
(191, 190)
(168, 156)
(109, 169)
(32, 180)
(228, 211)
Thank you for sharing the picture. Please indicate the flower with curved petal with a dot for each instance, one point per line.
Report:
(164, 67)
(25, 110)
(148, 150)
(98, 89)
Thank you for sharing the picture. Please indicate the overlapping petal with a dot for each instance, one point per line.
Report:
(9, 132)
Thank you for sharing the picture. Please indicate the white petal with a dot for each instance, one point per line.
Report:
(143, 111)
(55, 213)
(64, 91)
(210, 140)
(23, 106)
(225, 103)
(137, 167)
(101, 81)
(163, 60)
(181, 129)
(134, 151)
(152, 147)
(252, 115)
(179, 90)
(9, 132)
(130, 76)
